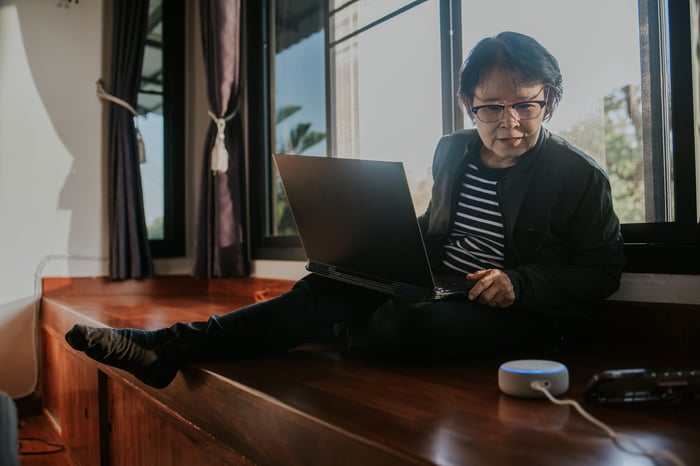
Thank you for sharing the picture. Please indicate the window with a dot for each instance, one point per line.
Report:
(601, 110)
(160, 124)
(390, 69)
(299, 108)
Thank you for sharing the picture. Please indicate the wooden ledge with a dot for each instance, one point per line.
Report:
(326, 405)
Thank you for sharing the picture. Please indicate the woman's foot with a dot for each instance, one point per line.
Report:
(143, 353)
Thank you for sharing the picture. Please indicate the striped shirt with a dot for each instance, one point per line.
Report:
(476, 238)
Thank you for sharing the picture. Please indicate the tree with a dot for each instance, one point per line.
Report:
(615, 142)
(623, 149)
(299, 139)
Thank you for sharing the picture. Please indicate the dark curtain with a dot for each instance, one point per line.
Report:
(220, 246)
(129, 252)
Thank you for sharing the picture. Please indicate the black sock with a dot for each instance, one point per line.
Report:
(142, 353)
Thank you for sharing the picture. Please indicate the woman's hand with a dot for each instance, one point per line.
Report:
(492, 288)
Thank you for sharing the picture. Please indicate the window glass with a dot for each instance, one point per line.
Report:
(387, 98)
(695, 41)
(150, 124)
(603, 109)
(375, 79)
(364, 13)
(299, 118)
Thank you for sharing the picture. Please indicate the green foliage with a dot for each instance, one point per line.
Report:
(155, 229)
(285, 112)
(615, 142)
(623, 150)
(299, 139)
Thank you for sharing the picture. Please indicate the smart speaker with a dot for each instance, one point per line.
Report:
(515, 377)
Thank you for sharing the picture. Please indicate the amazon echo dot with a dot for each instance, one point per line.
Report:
(515, 377)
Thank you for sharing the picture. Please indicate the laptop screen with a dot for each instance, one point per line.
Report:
(356, 215)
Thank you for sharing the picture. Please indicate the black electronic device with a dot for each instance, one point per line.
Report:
(642, 386)
(357, 224)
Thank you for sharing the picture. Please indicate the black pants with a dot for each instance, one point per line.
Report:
(319, 308)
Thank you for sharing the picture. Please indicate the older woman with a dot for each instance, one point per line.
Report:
(514, 208)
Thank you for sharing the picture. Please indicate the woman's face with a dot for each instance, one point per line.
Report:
(510, 136)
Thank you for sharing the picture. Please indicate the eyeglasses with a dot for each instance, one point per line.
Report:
(524, 110)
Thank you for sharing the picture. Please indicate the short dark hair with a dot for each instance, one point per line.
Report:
(522, 56)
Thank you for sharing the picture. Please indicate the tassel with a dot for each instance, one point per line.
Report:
(140, 146)
(219, 157)
(219, 154)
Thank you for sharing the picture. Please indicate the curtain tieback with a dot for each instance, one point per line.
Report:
(219, 154)
(104, 95)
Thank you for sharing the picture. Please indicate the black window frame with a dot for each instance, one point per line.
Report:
(671, 247)
(173, 242)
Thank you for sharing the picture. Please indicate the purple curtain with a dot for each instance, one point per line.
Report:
(220, 246)
(129, 252)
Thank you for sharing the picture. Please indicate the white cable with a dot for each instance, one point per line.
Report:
(38, 289)
(615, 436)
(51, 257)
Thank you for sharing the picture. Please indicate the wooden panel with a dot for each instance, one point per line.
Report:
(91, 286)
(171, 285)
(71, 398)
(651, 327)
(253, 289)
(268, 430)
(133, 311)
(328, 407)
(144, 433)
(324, 406)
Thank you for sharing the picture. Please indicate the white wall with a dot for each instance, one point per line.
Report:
(52, 171)
(51, 180)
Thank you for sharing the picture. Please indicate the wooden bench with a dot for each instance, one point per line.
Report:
(326, 405)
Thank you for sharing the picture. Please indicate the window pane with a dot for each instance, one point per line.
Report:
(606, 109)
(150, 124)
(152, 174)
(387, 91)
(695, 41)
(299, 98)
(364, 13)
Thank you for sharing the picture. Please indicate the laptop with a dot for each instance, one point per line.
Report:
(357, 224)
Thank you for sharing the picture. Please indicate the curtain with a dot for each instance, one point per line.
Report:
(220, 244)
(129, 252)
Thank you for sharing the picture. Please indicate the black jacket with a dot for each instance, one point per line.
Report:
(563, 248)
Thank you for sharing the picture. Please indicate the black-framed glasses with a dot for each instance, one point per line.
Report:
(526, 110)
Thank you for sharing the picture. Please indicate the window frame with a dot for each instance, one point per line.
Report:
(173, 242)
(256, 85)
(673, 247)
(670, 247)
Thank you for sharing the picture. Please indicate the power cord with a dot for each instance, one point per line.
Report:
(57, 447)
(38, 289)
(38, 273)
(616, 437)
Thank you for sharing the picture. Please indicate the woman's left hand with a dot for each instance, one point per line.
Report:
(492, 288)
